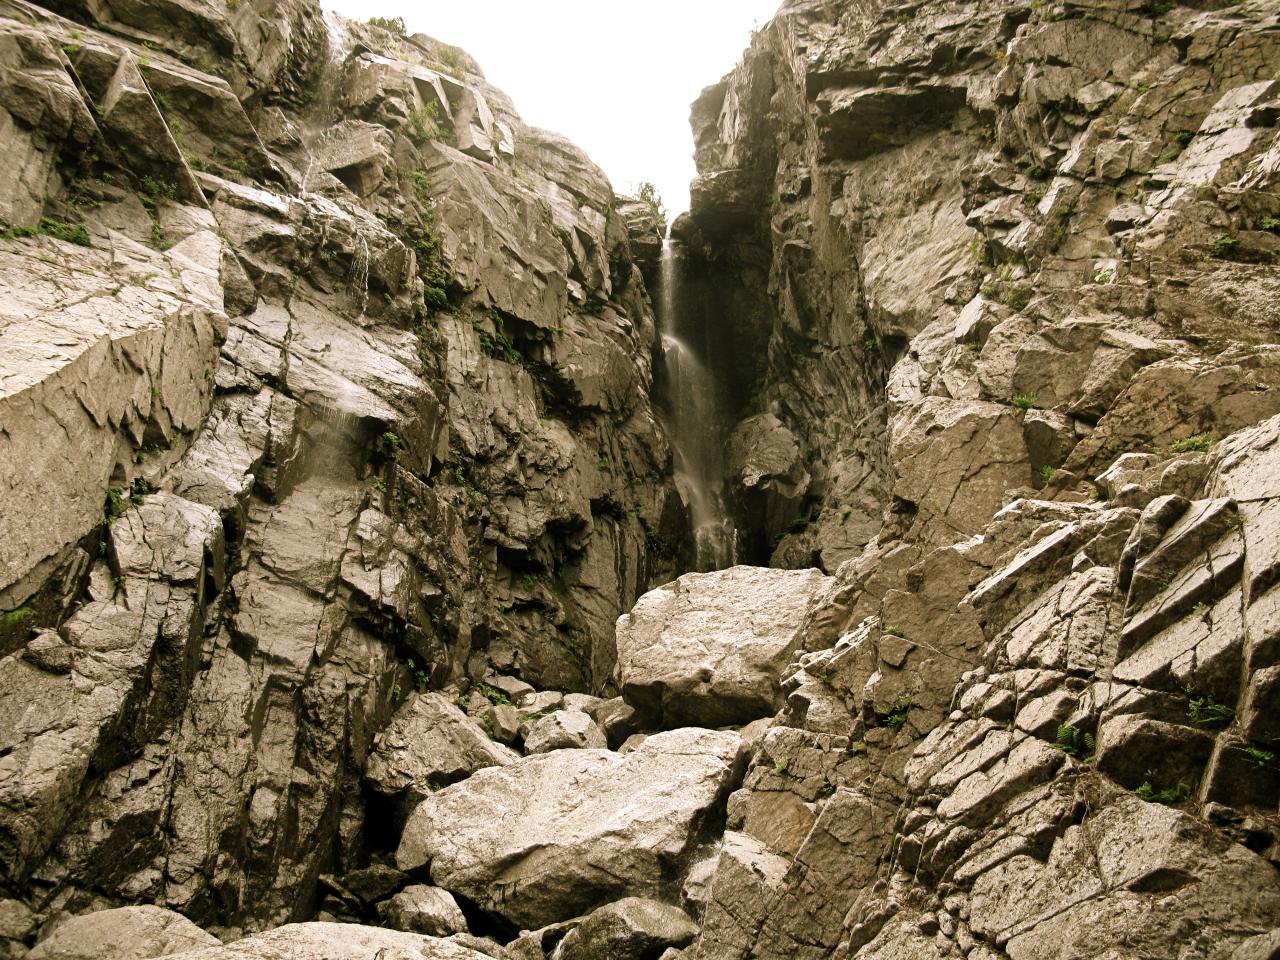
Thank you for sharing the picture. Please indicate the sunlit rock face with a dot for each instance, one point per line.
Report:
(354, 587)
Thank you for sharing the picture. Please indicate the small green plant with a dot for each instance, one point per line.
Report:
(379, 485)
(827, 789)
(1258, 757)
(394, 25)
(1208, 712)
(1224, 245)
(1270, 223)
(71, 233)
(780, 766)
(1035, 171)
(156, 190)
(493, 695)
(389, 443)
(1074, 742)
(115, 506)
(1169, 796)
(421, 679)
(648, 194)
(1184, 137)
(1024, 401)
(452, 58)
(497, 345)
(1014, 295)
(1047, 473)
(895, 715)
(892, 631)
(1197, 443)
(424, 124)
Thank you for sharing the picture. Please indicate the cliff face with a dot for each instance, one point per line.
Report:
(1008, 277)
(324, 378)
(893, 184)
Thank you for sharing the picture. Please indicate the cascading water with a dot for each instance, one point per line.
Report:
(694, 423)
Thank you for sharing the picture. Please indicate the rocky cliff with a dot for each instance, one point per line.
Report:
(332, 453)
(325, 378)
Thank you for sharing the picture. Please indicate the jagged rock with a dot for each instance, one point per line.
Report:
(426, 910)
(129, 933)
(429, 743)
(334, 941)
(514, 841)
(561, 730)
(709, 648)
(628, 929)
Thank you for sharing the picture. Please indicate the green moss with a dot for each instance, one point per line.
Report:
(71, 233)
(493, 695)
(1197, 443)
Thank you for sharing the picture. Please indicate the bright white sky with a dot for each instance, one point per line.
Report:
(616, 78)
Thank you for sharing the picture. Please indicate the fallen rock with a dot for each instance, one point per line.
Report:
(334, 941)
(523, 845)
(564, 729)
(127, 933)
(709, 648)
(426, 910)
(628, 929)
(430, 742)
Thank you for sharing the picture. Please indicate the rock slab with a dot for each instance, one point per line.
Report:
(709, 648)
(556, 834)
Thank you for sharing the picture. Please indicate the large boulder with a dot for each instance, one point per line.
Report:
(709, 648)
(127, 933)
(428, 744)
(556, 834)
(426, 910)
(334, 941)
(563, 730)
(630, 929)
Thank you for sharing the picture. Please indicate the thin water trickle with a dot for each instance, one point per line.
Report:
(360, 269)
(694, 423)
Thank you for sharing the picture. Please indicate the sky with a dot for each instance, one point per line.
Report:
(616, 78)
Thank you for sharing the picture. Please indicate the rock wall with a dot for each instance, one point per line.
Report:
(1012, 266)
(1000, 225)
(323, 378)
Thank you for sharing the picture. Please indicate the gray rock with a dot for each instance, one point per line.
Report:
(428, 744)
(563, 729)
(426, 910)
(333, 941)
(517, 843)
(127, 933)
(709, 648)
(628, 929)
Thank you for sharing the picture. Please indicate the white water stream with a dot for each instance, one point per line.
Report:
(694, 424)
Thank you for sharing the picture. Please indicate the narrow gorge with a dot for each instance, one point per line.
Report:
(413, 549)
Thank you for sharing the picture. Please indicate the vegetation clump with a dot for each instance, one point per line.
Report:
(71, 233)
(1076, 743)
(1197, 443)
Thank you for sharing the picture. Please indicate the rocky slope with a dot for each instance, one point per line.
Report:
(336, 674)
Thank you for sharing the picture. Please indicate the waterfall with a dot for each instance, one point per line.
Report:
(694, 421)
